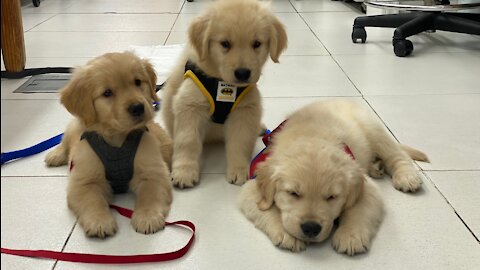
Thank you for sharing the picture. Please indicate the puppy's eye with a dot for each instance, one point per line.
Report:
(331, 197)
(108, 93)
(225, 44)
(138, 82)
(256, 44)
(294, 194)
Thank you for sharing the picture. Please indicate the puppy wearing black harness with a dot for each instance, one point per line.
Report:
(212, 93)
(113, 145)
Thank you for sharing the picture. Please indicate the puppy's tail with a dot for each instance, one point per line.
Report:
(415, 154)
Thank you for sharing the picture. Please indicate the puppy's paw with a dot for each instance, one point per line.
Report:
(350, 241)
(99, 225)
(148, 221)
(56, 157)
(185, 177)
(237, 176)
(376, 169)
(407, 181)
(287, 241)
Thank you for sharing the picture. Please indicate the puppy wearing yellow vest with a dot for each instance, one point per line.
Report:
(211, 95)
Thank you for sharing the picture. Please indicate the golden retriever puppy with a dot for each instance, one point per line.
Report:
(113, 145)
(212, 95)
(316, 173)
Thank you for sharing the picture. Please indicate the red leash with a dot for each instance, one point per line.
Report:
(110, 259)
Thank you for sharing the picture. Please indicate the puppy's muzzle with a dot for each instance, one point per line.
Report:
(311, 229)
(242, 74)
(136, 109)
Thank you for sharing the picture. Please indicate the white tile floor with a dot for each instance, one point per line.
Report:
(429, 100)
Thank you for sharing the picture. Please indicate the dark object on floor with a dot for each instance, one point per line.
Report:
(409, 24)
(36, 3)
(48, 83)
(39, 83)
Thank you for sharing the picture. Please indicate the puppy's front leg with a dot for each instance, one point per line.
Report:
(359, 223)
(268, 221)
(59, 155)
(189, 132)
(154, 197)
(241, 133)
(89, 201)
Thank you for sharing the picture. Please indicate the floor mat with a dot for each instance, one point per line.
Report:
(45, 83)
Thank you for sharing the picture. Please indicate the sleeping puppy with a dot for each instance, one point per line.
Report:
(113, 145)
(316, 173)
(212, 95)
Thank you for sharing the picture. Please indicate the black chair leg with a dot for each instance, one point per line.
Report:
(422, 22)
(459, 24)
(387, 21)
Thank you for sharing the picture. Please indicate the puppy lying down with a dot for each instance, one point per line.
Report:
(310, 178)
(113, 145)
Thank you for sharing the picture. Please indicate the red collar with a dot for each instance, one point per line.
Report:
(267, 140)
(348, 151)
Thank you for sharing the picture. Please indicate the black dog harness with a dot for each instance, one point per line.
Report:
(117, 161)
(223, 97)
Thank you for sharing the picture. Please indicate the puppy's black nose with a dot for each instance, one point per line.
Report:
(136, 109)
(311, 228)
(242, 74)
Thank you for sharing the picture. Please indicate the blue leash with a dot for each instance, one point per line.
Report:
(32, 150)
(38, 148)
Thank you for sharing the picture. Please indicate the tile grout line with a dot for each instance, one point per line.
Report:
(47, 19)
(174, 22)
(451, 206)
(311, 30)
(66, 242)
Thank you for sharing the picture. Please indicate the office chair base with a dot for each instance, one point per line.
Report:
(409, 24)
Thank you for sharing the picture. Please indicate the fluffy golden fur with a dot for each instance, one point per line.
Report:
(100, 94)
(230, 35)
(309, 180)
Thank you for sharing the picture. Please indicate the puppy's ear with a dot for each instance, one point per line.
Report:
(198, 34)
(152, 78)
(77, 98)
(278, 39)
(266, 185)
(355, 189)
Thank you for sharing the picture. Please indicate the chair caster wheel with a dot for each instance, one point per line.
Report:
(402, 47)
(359, 33)
(36, 3)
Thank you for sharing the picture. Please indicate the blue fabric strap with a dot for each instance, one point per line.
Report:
(32, 150)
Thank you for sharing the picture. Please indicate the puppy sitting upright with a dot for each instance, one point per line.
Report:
(315, 173)
(113, 145)
(212, 94)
